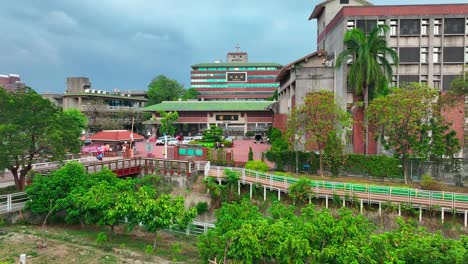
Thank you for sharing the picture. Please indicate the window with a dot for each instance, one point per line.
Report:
(366, 26)
(394, 82)
(436, 54)
(409, 55)
(381, 23)
(447, 81)
(424, 26)
(454, 54)
(454, 26)
(424, 55)
(437, 25)
(405, 79)
(410, 27)
(344, 1)
(466, 54)
(466, 30)
(393, 27)
(436, 82)
(350, 24)
(424, 79)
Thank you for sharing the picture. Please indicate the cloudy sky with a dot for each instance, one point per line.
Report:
(125, 43)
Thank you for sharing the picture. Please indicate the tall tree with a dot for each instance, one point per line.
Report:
(190, 93)
(167, 122)
(80, 119)
(371, 67)
(409, 121)
(31, 129)
(162, 88)
(316, 119)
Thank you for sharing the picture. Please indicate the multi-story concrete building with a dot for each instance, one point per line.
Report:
(104, 109)
(11, 82)
(237, 79)
(431, 40)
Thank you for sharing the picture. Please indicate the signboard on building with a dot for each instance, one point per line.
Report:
(227, 117)
(236, 76)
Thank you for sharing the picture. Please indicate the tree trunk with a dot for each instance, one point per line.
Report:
(405, 176)
(19, 179)
(297, 161)
(366, 123)
(320, 161)
(155, 240)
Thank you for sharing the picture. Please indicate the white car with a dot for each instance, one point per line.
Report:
(198, 136)
(172, 141)
(187, 140)
(160, 141)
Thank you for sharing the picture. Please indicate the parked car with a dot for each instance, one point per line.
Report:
(160, 141)
(187, 140)
(198, 136)
(172, 141)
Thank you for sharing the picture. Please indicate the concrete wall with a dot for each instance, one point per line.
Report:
(77, 84)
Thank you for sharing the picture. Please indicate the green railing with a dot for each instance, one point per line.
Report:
(411, 194)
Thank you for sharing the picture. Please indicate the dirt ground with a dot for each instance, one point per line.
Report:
(66, 246)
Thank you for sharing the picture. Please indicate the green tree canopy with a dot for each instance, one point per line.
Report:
(167, 122)
(316, 119)
(190, 93)
(162, 88)
(79, 118)
(459, 85)
(32, 129)
(409, 121)
(244, 235)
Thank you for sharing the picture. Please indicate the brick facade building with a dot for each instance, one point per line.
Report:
(431, 40)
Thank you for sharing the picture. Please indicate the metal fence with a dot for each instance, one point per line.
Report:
(453, 171)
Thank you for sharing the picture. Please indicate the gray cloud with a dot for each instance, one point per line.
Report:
(125, 43)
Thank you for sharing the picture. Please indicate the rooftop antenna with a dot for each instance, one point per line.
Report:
(237, 48)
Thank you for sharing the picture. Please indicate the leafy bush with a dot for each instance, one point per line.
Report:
(374, 165)
(101, 238)
(249, 134)
(428, 183)
(201, 207)
(227, 143)
(250, 154)
(257, 165)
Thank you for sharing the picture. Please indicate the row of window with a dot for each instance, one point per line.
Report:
(415, 27)
(236, 85)
(251, 77)
(202, 93)
(445, 54)
(238, 69)
(436, 79)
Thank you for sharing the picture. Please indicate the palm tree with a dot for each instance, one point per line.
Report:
(371, 69)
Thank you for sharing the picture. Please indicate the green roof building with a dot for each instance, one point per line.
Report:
(234, 117)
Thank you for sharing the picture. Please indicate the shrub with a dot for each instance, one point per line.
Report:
(227, 143)
(257, 165)
(250, 154)
(101, 239)
(374, 165)
(201, 207)
(249, 134)
(428, 183)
